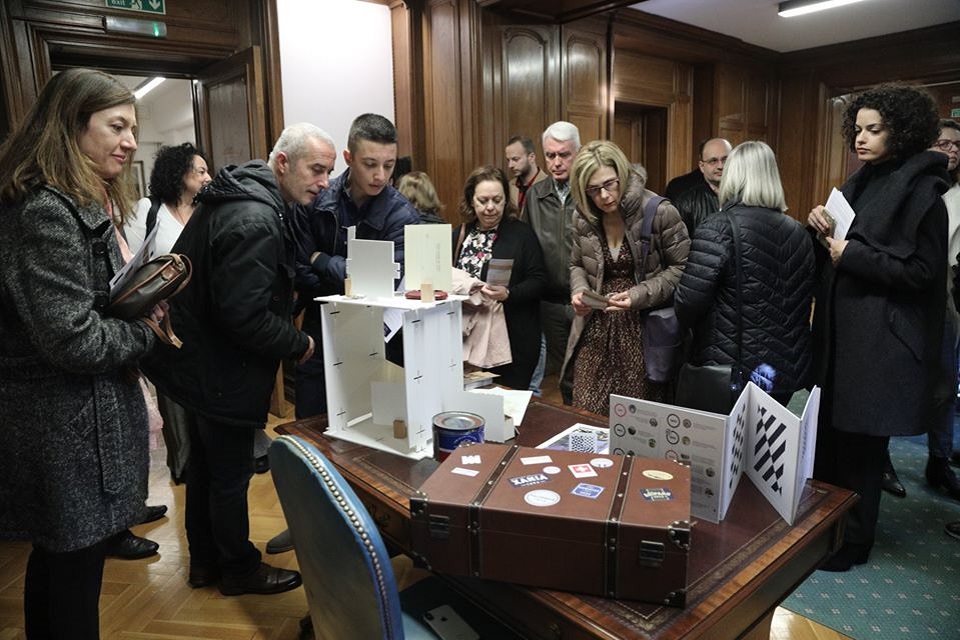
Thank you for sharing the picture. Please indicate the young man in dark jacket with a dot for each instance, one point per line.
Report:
(235, 322)
(360, 197)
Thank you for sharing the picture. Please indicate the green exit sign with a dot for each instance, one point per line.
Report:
(146, 6)
(955, 113)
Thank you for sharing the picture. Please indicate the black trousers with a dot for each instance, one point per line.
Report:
(556, 320)
(853, 461)
(61, 594)
(218, 476)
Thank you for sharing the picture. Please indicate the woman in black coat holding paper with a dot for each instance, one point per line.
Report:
(880, 301)
(491, 230)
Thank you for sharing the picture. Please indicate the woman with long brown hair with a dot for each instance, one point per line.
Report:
(73, 424)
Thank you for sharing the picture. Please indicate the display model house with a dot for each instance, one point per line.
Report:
(372, 401)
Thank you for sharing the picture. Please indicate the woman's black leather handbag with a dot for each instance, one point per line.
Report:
(161, 278)
(661, 329)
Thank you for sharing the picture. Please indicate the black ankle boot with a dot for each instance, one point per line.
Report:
(845, 557)
(941, 476)
(890, 482)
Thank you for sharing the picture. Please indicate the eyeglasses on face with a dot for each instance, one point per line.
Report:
(715, 161)
(607, 186)
(947, 145)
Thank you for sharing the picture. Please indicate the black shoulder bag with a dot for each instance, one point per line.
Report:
(661, 329)
(716, 387)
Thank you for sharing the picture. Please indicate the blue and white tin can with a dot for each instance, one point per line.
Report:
(452, 429)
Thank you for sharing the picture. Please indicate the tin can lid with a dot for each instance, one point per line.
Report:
(457, 420)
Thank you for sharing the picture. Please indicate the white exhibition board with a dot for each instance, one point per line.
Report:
(371, 268)
(760, 436)
(428, 255)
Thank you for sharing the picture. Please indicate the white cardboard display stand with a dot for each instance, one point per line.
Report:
(366, 392)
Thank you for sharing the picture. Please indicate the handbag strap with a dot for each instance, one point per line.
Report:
(646, 230)
(463, 234)
(739, 271)
(152, 215)
(164, 330)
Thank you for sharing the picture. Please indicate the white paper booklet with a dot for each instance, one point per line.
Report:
(760, 436)
(842, 214)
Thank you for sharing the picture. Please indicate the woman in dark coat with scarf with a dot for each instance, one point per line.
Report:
(880, 301)
(73, 423)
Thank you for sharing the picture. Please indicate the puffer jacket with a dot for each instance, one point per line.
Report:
(777, 288)
(73, 424)
(235, 315)
(656, 280)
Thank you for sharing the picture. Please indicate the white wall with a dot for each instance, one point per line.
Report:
(336, 61)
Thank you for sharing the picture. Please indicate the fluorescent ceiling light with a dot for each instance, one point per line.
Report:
(801, 7)
(144, 89)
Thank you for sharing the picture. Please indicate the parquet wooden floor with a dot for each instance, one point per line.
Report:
(150, 600)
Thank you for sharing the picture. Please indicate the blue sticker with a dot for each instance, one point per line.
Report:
(527, 481)
(585, 490)
(657, 495)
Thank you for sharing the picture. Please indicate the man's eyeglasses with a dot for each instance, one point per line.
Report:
(607, 186)
(947, 145)
(715, 161)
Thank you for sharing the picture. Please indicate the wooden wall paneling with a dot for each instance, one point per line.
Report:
(265, 26)
(731, 103)
(531, 81)
(407, 35)
(584, 82)
(678, 138)
(798, 141)
(446, 148)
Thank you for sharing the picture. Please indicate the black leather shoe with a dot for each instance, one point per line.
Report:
(261, 464)
(280, 542)
(953, 529)
(890, 482)
(845, 557)
(941, 476)
(154, 513)
(127, 546)
(265, 580)
(201, 576)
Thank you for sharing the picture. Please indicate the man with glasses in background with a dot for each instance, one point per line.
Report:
(700, 201)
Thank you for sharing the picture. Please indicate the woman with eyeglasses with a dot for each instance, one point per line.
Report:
(878, 322)
(776, 279)
(610, 285)
(490, 230)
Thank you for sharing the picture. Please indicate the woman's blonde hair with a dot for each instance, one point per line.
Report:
(593, 156)
(45, 149)
(416, 187)
(751, 177)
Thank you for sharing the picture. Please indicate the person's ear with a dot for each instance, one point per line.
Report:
(283, 162)
(347, 157)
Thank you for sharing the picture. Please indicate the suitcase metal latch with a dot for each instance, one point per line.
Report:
(679, 532)
(439, 527)
(651, 554)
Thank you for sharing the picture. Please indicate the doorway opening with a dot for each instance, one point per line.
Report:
(641, 131)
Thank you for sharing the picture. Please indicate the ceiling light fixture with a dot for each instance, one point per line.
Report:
(802, 7)
(147, 87)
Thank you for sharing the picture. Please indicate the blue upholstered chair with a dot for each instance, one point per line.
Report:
(350, 585)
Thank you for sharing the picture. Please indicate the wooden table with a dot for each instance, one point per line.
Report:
(739, 570)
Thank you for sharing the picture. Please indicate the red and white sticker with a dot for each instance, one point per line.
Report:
(582, 471)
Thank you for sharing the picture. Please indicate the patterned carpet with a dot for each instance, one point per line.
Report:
(911, 586)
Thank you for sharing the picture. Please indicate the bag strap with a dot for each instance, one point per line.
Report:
(164, 330)
(152, 217)
(737, 264)
(463, 234)
(646, 229)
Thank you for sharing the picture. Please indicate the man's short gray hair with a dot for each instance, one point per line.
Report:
(293, 141)
(561, 131)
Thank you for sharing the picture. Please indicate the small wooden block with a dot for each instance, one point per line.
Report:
(347, 287)
(399, 429)
(426, 292)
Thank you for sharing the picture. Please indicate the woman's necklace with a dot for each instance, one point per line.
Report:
(182, 212)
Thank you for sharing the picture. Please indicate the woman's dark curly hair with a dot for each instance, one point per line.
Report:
(909, 113)
(484, 174)
(170, 165)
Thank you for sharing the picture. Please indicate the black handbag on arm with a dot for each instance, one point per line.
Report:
(716, 387)
(661, 330)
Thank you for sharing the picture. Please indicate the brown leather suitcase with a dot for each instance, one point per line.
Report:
(608, 525)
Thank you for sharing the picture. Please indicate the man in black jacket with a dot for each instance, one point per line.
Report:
(698, 202)
(235, 322)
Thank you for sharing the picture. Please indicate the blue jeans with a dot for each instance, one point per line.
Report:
(537, 378)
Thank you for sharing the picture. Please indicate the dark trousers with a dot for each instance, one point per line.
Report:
(556, 320)
(218, 475)
(61, 594)
(853, 461)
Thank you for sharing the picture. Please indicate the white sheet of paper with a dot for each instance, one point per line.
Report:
(842, 213)
(428, 255)
(140, 258)
(514, 401)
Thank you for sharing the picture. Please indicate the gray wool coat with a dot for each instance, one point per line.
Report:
(73, 424)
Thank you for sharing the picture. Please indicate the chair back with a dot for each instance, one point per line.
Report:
(347, 575)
